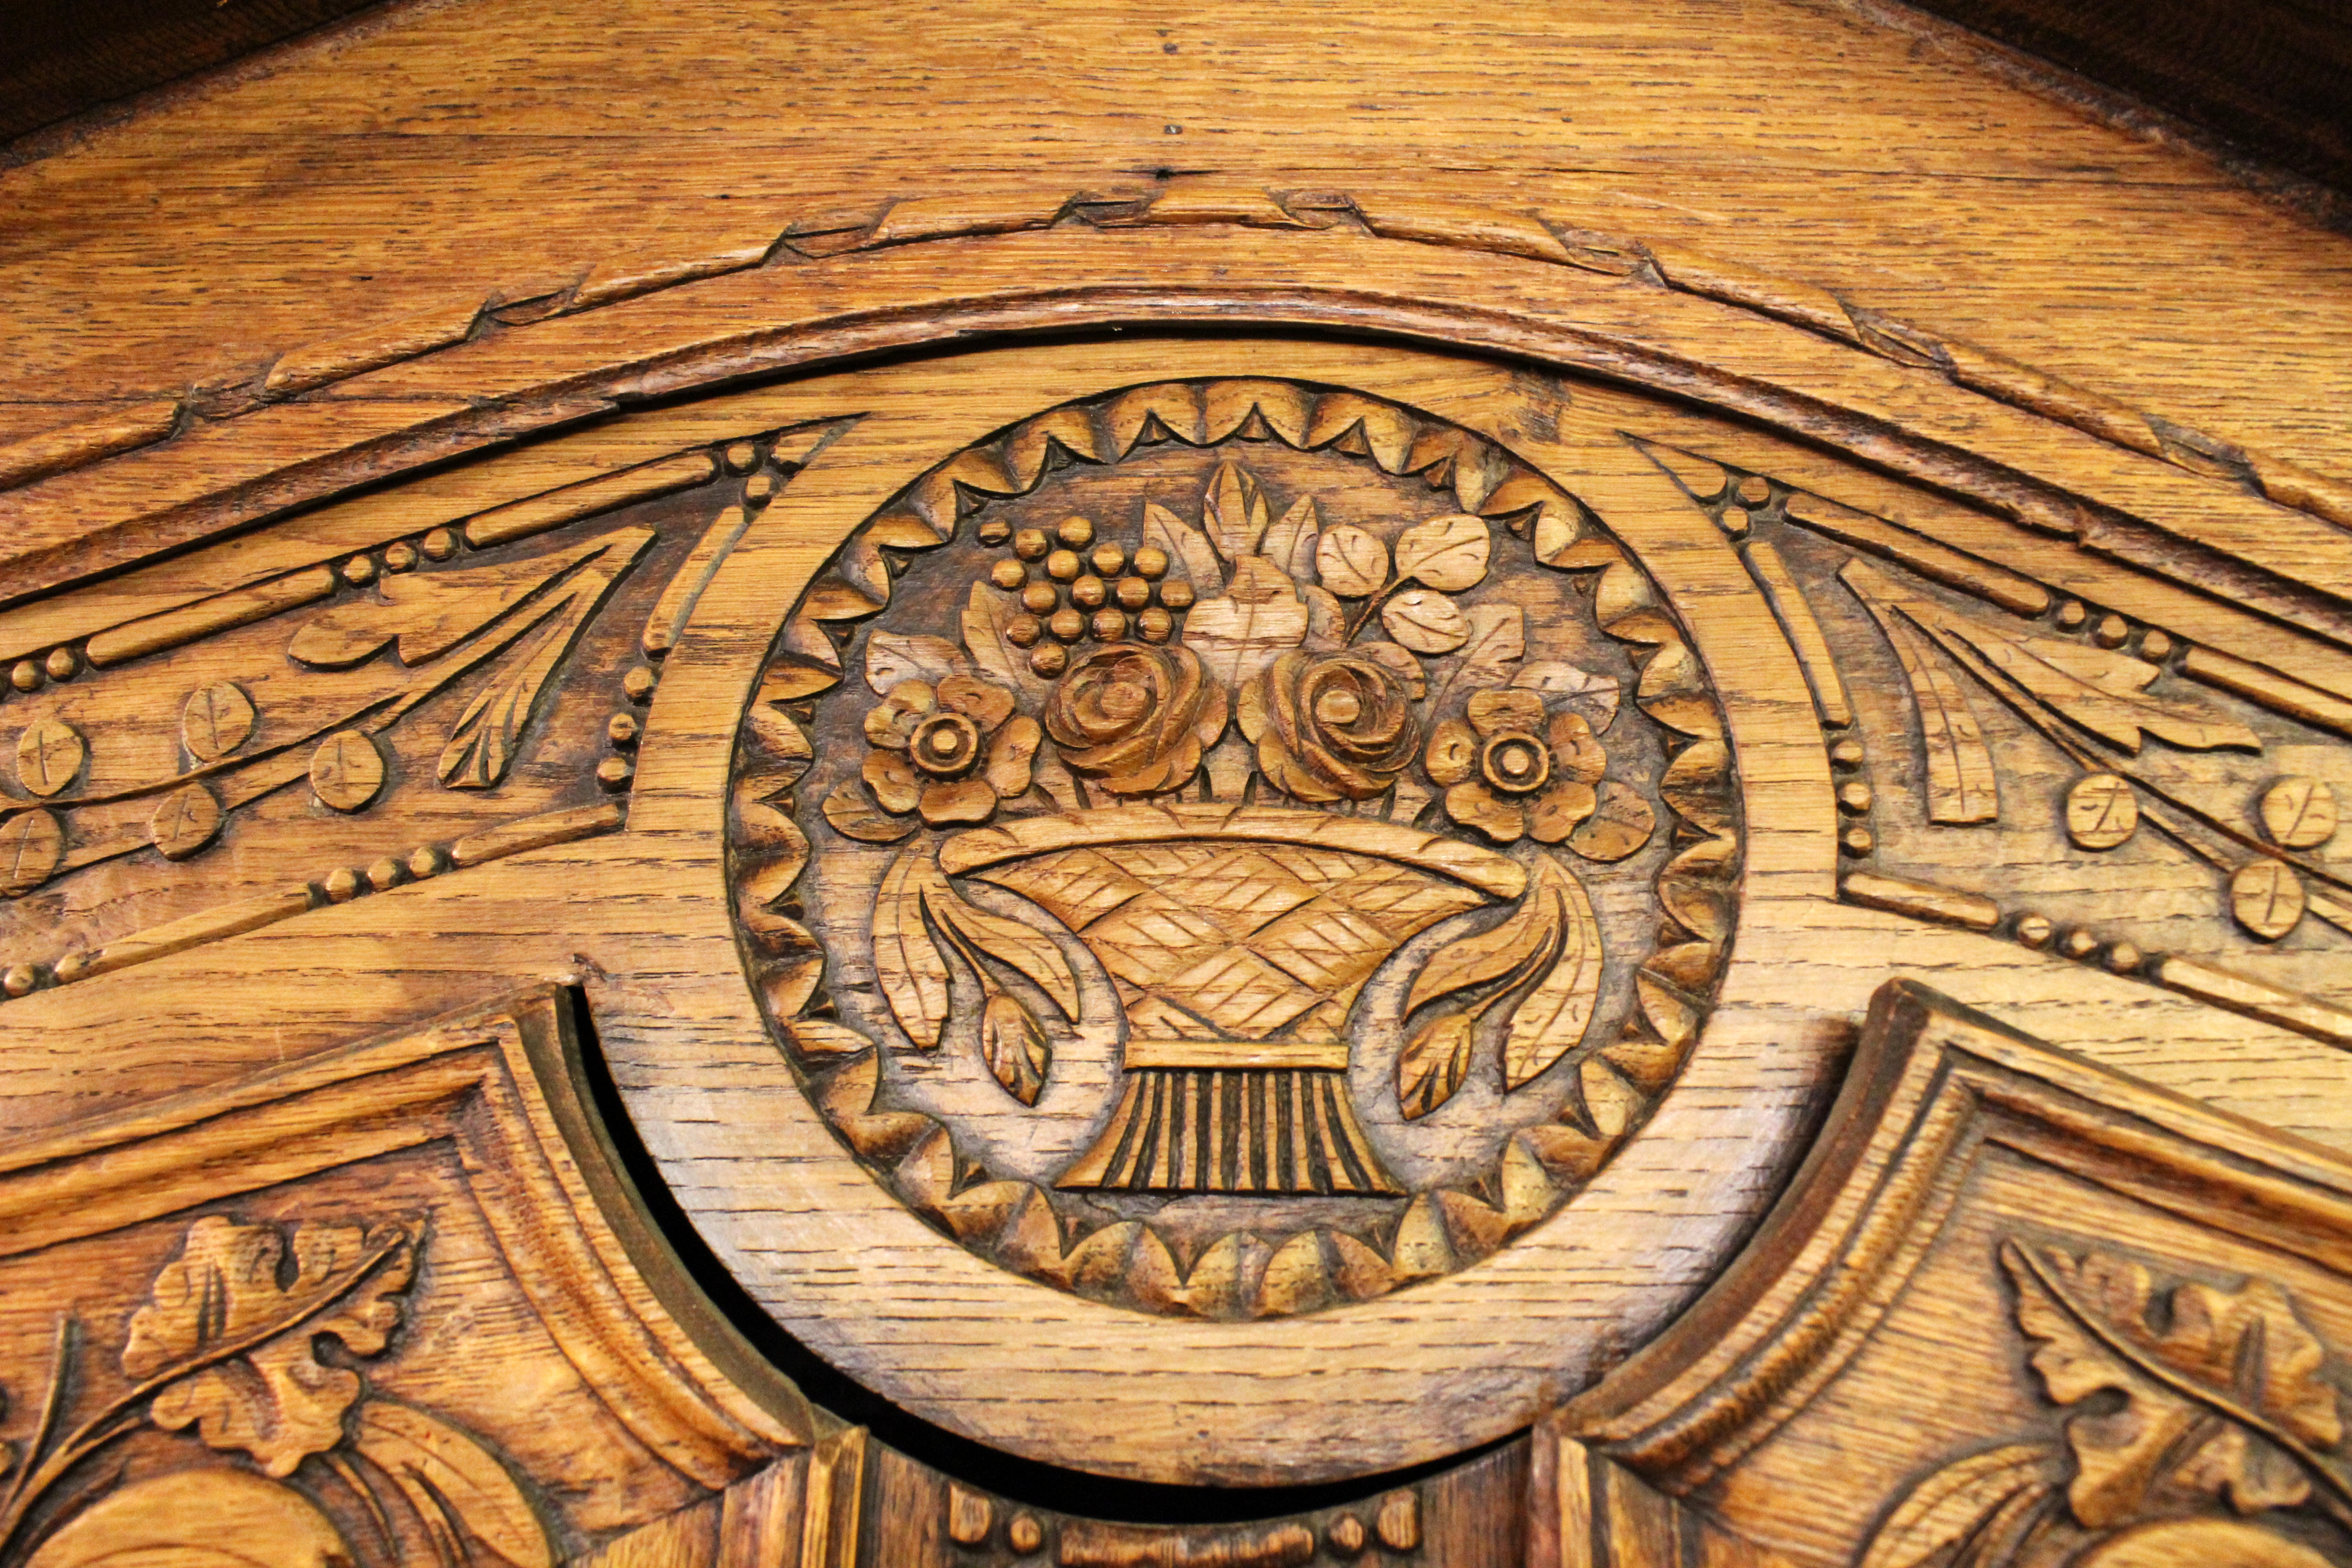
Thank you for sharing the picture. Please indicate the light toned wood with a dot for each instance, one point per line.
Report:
(1942, 1169)
(499, 1258)
(1792, 867)
(715, 613)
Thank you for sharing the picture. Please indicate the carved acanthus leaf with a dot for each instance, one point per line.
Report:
(455, 1484)
(1969, 1515)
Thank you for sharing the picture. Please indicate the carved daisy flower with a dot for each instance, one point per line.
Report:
(950, 751)
(1512, 770)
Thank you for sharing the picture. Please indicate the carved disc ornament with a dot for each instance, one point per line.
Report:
(1198, 847)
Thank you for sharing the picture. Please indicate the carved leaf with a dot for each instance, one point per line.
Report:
(1550, 1022)
(1235, 511)
(986, 614)
(1190, 556)
(1018, 947)
(2101, 691)
(2213, 1402)
(1621, 823)
(1290, 543)
(1352, 563)
(1449, 553)
(1497, 640)
(891, 658)
(1425, 622)
(1962, 785)
(486, 740)
(1956, 1518)
(454, 1483)
(231, 1346)
(1434, 1063)
(1579, 691)
(1261, 619)
(1327, 622)
(186, 1517)
(1522, 944)
(430, 613)
(2299, 812)
(907, 962)
(1013, 1044)
(2267, 898)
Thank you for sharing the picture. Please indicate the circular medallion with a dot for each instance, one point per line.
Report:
(1232, 849)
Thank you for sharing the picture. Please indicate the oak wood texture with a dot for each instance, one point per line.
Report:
(439, 1193)
(674, 1052)
(2020, 582)
(2129, 1238)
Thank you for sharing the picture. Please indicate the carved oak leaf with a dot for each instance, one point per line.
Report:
(891, 658)
(231, 1346)
(1970, 1514)
(2226, 1399)
(1234, 511)
(1260, 618)
(1190, 557)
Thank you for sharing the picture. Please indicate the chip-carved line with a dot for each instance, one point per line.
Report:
(1546, 235)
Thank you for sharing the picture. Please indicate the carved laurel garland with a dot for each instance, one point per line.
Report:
(1258, 1271)
(1546, 236)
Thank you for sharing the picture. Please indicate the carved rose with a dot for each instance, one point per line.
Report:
(1331, 726)
(951, 750)
(1136, 717)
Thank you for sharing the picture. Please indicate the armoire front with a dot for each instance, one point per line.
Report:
(897, 786)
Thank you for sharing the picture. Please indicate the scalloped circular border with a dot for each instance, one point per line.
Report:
(1243, 1275)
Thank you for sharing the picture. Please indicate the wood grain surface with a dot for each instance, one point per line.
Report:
(457, 473)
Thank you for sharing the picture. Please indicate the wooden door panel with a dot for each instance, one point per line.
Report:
(1566, 896)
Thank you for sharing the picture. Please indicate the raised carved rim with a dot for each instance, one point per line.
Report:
(1255, 1271)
